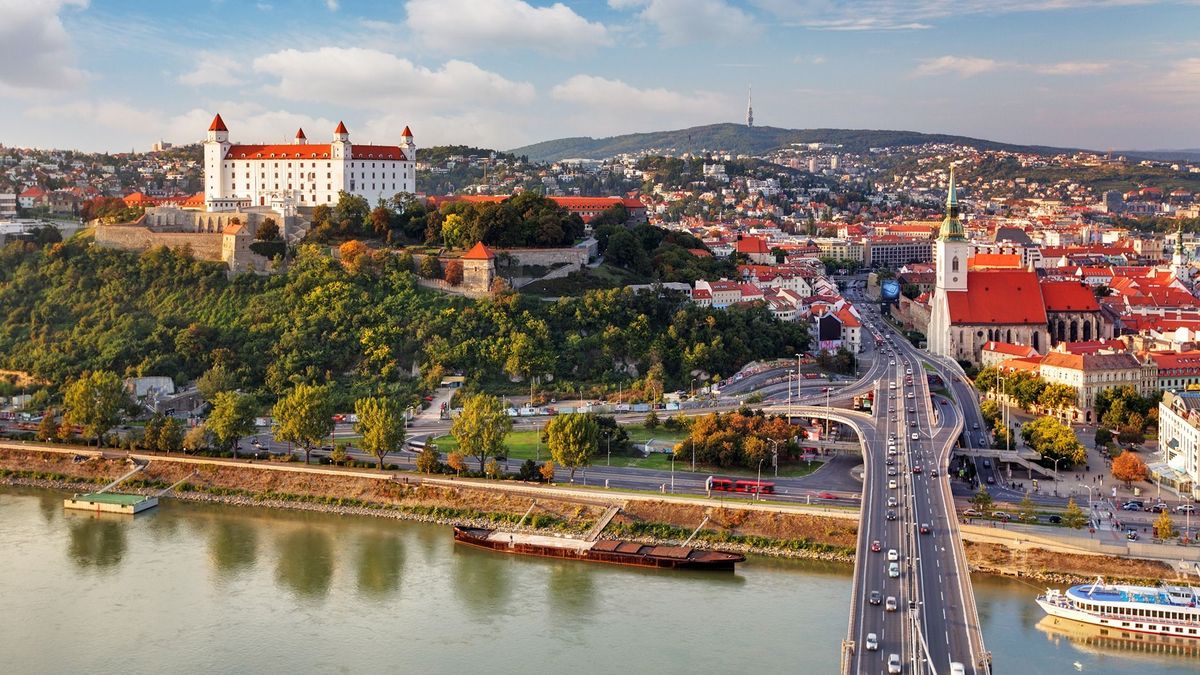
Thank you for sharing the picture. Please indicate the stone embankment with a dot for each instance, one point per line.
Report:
(750, 528)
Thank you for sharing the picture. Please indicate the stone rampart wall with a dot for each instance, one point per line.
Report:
(205, 246)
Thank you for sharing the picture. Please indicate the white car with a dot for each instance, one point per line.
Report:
(893, 555)
(889, 605)
(872, 642)
(914, 436)
(893, 570)
(894, 664)
(892, 484)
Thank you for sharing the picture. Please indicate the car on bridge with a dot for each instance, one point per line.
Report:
(891, 515)
(876, 598)
(914, 436)
(892, 502)
(872, 643)
(894, 666)
(892, 484)
(890, 604)
(893, 555)
(925, 528)
(876, 546)
(893, 570)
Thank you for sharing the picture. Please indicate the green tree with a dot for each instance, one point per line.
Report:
(1103, 437)
(1164, 528)
(381, 423)
(214, 381)
(48, 427)
(153, 431)
(1074, 516)
(268, 230)
(340, 454)
(428, 460)
(1026, 509)
(982, 499)
(430, 267)
(651, 422)
(572, 440)
(455, 233)
(94, 402)
(481, 427)
(1053, 439)
(170, 436)
(304, 417)
(232, 419)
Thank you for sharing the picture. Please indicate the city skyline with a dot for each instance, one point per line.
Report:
(104, 76)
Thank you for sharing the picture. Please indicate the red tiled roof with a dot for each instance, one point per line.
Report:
(479, 252)
(341, 128)
(848, 319)
(311, 151)
(701, 294)
(300, 133)
(752, 245)
(218, 124)
(700, 252)
(998, 297)
(1022, 351)
(33, 192)
(1068, 296)
(994, 260)
(406, 133)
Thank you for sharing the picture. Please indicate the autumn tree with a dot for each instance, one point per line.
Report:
(492, 468)
(304, 417)
(232, 419)
(94, 402)
(1128, 467)
(547, 471)
(572, 440)
(1074, 517)
(428, 460)
(196, 439)
(456, 461)
(453, 272)
(1164, 528)
(381, 423)
(481, 427)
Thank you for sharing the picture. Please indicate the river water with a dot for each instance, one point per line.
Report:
(206, 588)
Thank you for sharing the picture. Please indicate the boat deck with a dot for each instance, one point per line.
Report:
(539, 540)
(1151, 596)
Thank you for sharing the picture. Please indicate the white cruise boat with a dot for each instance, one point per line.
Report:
(1158, 610)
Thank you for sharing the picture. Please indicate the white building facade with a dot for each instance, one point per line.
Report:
(1179, 438)
(303, 174)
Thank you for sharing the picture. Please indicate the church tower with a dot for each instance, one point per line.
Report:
(1179, 262)
(950, 257)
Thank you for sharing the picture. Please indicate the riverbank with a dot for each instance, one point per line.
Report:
(755, 529)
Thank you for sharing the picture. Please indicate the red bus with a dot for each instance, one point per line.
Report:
(754, 487)
(729, 485)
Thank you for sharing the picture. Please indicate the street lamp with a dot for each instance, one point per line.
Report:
(608, 439)
(672, 472)
(758, 488)
(1089, 489)
(775, 454)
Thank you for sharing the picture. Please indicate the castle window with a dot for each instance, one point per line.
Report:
(954, 264)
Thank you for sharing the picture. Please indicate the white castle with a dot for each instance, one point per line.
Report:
(303, 174)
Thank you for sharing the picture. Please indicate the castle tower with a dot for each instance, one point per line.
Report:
(750, 105)
(479, 269)
(950, 256)
(301, 139)
(406, 144)
(340, 147)
(216, 145)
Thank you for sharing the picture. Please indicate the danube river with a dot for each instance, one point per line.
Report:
(200, 588)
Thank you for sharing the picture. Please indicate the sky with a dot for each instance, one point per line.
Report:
(122, 74)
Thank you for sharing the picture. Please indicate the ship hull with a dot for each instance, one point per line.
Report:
(1124, 624)
(643, 557)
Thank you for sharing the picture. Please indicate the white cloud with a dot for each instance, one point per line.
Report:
(970, 66)
(684, 21)
(332, 5)
(879, 15)
(370, 78)
(35, 50)
(467, 25)
(110, 114)
(212, 68)
(615, 95)
(963, 66)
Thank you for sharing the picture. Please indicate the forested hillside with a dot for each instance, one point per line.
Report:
(71, 307)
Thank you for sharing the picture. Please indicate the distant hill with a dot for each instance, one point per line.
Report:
(740, 139)
(1181, 155)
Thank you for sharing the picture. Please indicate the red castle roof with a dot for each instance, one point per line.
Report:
(341, 128)
(218, 124)
(406, 133)
(479, 252)
(311, 151)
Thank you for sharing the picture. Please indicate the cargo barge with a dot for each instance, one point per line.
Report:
(611, 551)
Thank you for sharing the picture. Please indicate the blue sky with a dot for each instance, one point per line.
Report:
(120, 74)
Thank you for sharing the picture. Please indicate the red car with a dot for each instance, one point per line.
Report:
(875, 546)
(826, 495)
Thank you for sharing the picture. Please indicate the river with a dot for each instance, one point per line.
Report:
(209, 588)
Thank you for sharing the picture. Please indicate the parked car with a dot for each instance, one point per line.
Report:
(1054, 519)
(1001, 515)
(1185, 508)
(1133, 506)
(973, 513)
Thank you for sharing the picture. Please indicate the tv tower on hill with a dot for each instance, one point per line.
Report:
(749, 105)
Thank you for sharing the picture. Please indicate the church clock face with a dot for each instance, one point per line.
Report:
(954, 279)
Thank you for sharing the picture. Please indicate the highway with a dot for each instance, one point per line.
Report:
(935, 621)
